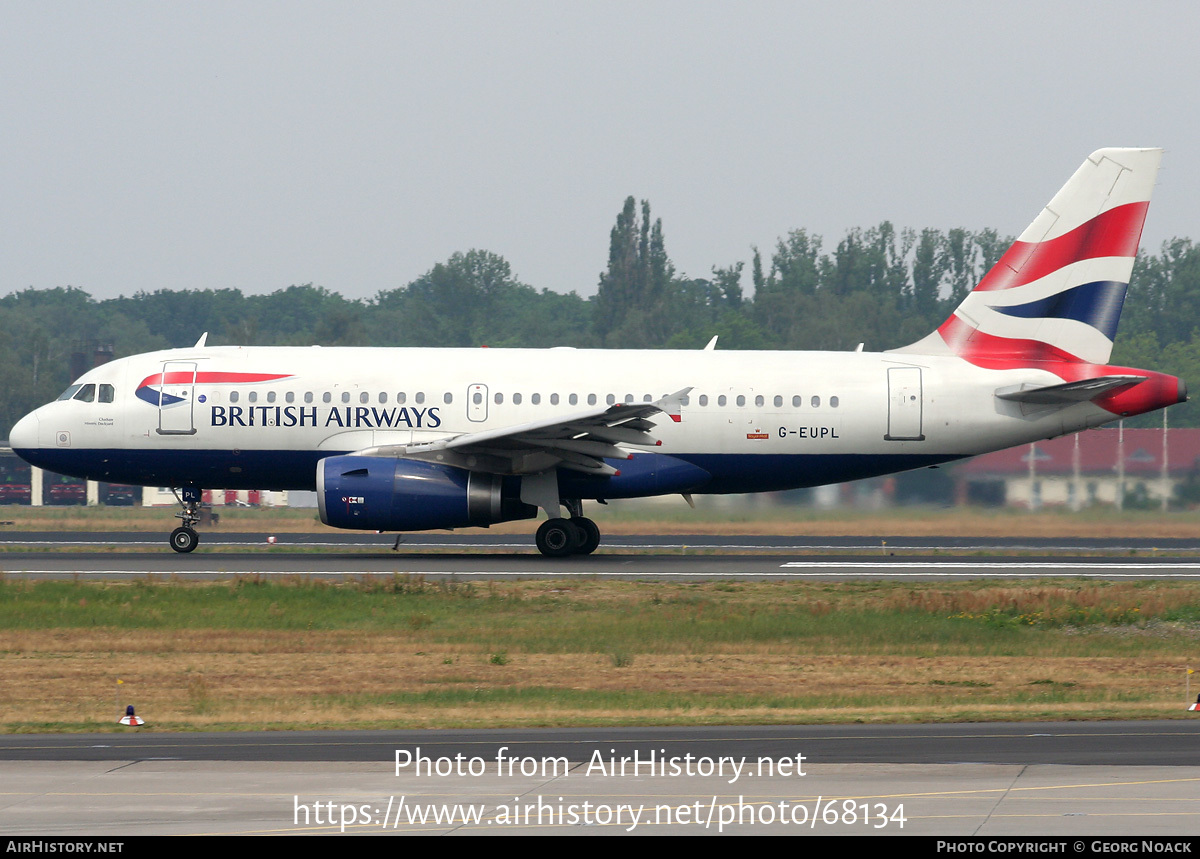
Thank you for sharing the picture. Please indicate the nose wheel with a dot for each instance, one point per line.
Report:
(184, 539)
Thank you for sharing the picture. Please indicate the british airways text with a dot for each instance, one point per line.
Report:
(307, 416)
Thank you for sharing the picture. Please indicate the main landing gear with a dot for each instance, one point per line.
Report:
(557, 538)
(184, 538)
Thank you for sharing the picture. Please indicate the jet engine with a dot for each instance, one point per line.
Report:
(375, 493)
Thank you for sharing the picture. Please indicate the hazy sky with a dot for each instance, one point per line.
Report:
(179, 145)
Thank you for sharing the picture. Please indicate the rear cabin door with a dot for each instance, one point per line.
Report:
(905, 404)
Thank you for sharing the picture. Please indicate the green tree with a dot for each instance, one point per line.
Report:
(632, 307)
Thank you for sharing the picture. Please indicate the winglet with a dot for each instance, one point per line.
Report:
(712, 344)
(203, 339)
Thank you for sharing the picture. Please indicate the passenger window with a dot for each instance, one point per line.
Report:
(270, 396)
(628, 398)
(796, 402)
(816, 402)
(758, 401)
(233, 396)
(326, 397)
(106, 393)
(741, 400)
(420, 397)
(535, 399)
(778, 401)
(253, 396)
(704, 399)
(345, 396)
(382, 397)
(685, 400)
(499, 399)
(364, 397)
(721, 400)
(289, 397)
(591, 399)
(610, 399)
(448, 398)
(400, 399)
(554, 399)
(308, 397)
(573, 399)
(833, 402)
(477, 398)
(516, 399)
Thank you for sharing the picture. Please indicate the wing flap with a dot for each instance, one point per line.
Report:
(580, 441)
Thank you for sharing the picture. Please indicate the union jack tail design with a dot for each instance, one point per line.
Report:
(1056, 294)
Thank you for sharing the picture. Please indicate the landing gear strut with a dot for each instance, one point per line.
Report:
(185, 538)
(557, 538)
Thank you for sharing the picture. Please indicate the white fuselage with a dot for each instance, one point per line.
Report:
(262, 417)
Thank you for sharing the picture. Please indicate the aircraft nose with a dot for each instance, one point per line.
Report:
(24, 436)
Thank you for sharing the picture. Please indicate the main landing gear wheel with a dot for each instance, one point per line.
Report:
(590, 532)
(184, 539)
(557, 538)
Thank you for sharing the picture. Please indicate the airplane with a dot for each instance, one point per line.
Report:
(411, 439)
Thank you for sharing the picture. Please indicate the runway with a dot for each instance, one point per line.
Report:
(123, 555)
(1161, 743)
(498, 543)
(994, 780)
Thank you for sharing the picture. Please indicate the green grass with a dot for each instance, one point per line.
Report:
(631, 618)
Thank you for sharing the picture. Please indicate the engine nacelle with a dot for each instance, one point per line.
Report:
(375, 493)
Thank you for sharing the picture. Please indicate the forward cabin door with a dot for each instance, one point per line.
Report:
(905, 405)
(176, 396)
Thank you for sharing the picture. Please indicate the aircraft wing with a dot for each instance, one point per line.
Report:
(580, 441)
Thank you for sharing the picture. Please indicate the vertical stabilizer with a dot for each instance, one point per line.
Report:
(1057, 293)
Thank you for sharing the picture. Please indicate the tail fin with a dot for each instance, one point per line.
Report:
(1057, 293)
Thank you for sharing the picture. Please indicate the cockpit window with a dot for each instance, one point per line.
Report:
(106, 393)
(69, 392)
(86, 394)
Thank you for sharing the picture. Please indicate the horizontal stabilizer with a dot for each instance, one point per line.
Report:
(1069, 392)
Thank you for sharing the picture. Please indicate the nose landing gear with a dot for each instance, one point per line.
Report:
(184, 538)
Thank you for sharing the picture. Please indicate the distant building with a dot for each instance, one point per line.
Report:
(1102, 466)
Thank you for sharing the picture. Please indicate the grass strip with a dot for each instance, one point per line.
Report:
(396, 651)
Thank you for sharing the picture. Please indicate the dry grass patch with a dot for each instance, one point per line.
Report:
(199, 679)
(406, 652)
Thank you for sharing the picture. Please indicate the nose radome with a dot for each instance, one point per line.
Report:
(24, 436)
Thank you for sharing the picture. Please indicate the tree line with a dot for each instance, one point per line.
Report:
(878, 285)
